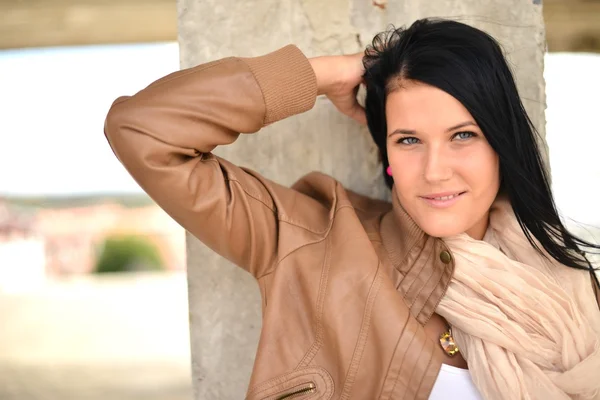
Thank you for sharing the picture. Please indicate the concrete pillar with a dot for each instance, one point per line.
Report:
(224, 301)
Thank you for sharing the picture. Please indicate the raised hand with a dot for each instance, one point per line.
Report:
(338, 78)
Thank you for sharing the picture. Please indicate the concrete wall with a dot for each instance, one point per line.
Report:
(224, 301)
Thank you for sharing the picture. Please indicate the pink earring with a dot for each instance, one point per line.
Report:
(389, 171)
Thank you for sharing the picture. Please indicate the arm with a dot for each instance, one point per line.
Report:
(164, 136)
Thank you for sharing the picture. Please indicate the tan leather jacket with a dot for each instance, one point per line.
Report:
(347, 282)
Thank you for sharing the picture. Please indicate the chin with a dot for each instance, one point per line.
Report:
(441, 229)
(442, 233)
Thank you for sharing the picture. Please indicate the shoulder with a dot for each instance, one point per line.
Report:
(332, 195)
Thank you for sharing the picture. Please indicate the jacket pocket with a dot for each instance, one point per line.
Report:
(311, 383)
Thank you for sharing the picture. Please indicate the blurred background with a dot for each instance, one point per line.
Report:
(93, 295)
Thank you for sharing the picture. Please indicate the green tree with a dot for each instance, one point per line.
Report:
(128, 253)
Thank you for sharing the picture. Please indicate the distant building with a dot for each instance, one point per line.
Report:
(14, 224)
(65, 241)
(22, 251)
(74, 236)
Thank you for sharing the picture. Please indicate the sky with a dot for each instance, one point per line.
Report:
(53, 102)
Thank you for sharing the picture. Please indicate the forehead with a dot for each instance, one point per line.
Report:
(418, 106)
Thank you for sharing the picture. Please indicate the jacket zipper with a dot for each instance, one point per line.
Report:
(298, 391)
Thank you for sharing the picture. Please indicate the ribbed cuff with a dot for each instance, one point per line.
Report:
(287, 81)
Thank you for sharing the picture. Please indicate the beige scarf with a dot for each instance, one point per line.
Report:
(528, 327)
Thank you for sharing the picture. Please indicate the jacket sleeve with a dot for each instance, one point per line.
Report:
(164, 136)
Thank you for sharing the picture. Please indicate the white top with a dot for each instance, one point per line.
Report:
(454, 383)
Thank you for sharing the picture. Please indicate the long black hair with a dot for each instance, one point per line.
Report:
(468, 64)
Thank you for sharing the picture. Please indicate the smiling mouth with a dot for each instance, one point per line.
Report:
(445, 201)
(443, 198)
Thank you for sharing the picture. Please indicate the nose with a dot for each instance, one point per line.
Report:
(437, 166)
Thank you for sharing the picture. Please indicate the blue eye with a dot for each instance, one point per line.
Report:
(408, 140)
(464, 135)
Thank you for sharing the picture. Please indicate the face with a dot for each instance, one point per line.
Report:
(445, 172)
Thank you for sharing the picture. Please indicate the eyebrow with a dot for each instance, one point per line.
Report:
(413, 132)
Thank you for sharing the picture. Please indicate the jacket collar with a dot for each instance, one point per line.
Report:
(399, 232)
(418, 257)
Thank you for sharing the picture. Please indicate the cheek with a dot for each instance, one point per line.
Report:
(481, 169)
(406, 169)
(474, 164)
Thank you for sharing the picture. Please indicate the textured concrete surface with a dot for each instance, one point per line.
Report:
(123, 337)
(224, 301)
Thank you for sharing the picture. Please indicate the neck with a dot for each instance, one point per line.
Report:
(478, 230)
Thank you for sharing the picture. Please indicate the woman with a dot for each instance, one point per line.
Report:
(469, 267)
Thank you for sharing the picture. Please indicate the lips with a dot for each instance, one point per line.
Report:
(442, 200)
(443, 196)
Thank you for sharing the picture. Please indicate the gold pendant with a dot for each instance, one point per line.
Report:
(447, 342)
